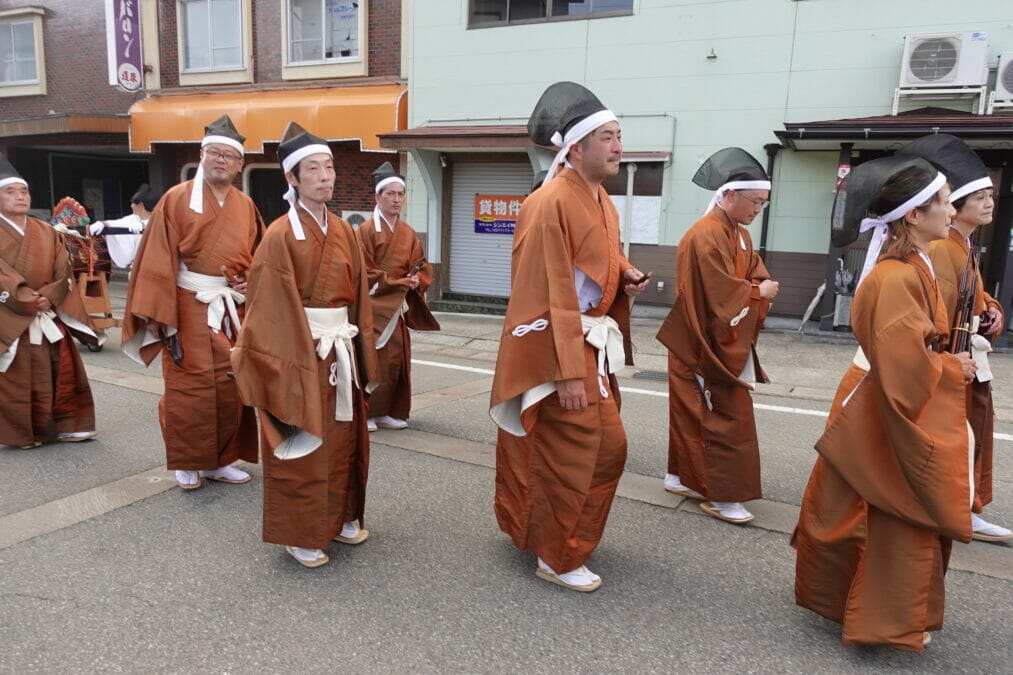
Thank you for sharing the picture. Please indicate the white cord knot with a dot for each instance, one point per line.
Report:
(524, 328)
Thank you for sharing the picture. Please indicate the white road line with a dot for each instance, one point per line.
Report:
(633, 390)
(664, 394)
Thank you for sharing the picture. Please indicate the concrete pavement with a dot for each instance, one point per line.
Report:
(106, 566)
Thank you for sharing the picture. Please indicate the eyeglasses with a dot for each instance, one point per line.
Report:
(757, 202)
(216, 154)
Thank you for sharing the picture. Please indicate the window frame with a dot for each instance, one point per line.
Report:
(349, 66)
(226, 75)
(36, 87)
(548, 18)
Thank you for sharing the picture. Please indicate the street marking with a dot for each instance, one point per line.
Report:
(664, 394)
(77, 508)
(644, 392)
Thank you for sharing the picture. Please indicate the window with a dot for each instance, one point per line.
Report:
(322, 30)
(22, 67)
(213, 35)
(500, 12)
(17, 53)
(324, 38)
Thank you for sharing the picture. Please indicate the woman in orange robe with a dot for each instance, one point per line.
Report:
(974, 204)
(891, 488)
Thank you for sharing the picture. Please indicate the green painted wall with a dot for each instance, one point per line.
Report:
(777, 61)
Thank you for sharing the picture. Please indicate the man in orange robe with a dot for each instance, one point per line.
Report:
(890, 489)
(561, 447)
(399, 276)
(973, 201)
(305, 357)
(44, 390)
(184, 301)
(723, 294)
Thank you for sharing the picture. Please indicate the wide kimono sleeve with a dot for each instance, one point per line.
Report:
(17, 296)
(901, 439)
(380, 283)
(718, 312)
(274, 361)
(543, 339)
(61, 278)
(151, 293)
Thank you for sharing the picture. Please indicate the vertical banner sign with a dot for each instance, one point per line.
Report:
(123, 43)
(497, 214)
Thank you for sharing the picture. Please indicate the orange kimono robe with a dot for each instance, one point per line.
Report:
(278, 371)
(890, 489)
(204, 424)
(949, 258)
(711, 335)
(556, 469)
(44, 389)
(390, 256)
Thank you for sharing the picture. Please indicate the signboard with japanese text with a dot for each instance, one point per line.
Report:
(123, 43)
(497, 214)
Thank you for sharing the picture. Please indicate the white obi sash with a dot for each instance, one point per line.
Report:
(44, 326)
(601, 332)
(331, 331)
(216, 293)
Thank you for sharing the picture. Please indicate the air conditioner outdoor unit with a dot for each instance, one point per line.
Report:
(1004, 78)
(944, 60)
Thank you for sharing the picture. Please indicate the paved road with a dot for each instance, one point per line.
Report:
(107, 566)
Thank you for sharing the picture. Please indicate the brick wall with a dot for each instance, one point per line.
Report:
(76, 70)
(168, 48)
(385, 38)
(267, 44)
(383, 28)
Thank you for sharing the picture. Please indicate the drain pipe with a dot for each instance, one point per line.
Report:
(631, 170)
(772, 150)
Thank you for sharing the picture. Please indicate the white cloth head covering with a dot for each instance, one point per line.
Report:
(880, 225)
(221, 132)
(296, 145)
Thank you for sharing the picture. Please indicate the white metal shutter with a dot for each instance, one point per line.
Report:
(480, 262)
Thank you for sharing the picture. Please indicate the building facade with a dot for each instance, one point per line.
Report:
(333, 66)
(810, 87)
(61, 123)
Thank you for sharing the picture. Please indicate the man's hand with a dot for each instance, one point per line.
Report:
(995, 321)
(768, 289)
(156, 328)
(238, 282)
(967, 365)
(571, 394)
(42, 303)
(631, 275)
(413, 281)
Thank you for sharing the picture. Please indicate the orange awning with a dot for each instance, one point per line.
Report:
(359, 113)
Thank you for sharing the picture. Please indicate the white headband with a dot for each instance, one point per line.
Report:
(577, 132)
(290, 195)
(387, 181)
(880, 225)
(737, 185)
(223, 140)
(973, 186)
(302, 153)
(11, 180)
(197, 194)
